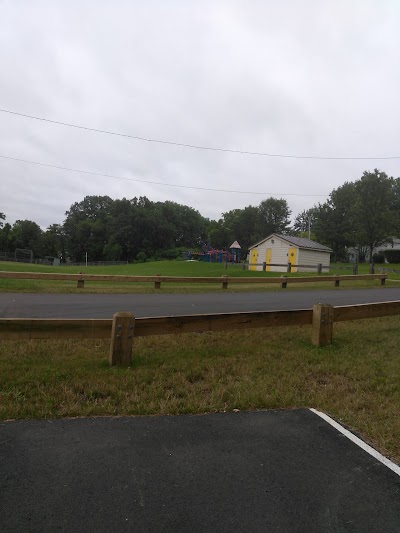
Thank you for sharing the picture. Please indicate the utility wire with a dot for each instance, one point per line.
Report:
(195, 146)
(152, 182)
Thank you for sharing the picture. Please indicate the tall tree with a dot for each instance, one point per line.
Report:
(335, 220)
(86, 229)
(5, 238)
(274, 217)
(242, 225)
(26, 234)
(54, 241)
(305, 221)
(374, 209)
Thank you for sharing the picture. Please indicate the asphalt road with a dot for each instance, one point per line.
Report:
(278, 471)
(22, 305)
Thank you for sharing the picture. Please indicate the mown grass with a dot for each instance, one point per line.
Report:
(356, 380)
(165, 268)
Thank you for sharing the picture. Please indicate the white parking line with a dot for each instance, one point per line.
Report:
(387, 462)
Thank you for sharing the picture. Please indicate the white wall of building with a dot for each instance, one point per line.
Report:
(280, 254)
(312, 257)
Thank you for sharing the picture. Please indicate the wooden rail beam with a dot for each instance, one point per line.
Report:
(54, 328)
(361, 311)
(167, 325)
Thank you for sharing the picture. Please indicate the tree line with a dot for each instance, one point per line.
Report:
(360, 214)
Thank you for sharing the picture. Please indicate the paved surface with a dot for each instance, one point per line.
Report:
(268, 471)
(105, 305)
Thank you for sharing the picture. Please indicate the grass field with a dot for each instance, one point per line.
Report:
(356, 380)
(165, 268)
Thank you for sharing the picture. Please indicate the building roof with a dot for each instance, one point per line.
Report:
(300, 242)
(235, 245)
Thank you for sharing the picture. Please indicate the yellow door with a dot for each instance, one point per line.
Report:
(268, 259)
(292, 258)
(253, 258)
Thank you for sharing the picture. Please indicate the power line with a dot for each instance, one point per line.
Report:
(199, 147)
(151, 182)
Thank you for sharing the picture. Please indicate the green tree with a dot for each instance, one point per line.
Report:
(374, 209)
(242, 225)
(305, 221)
(274, 217)
(218, 234)
(54, 241)
(86, 227)
(26, 234)
(5, 238)
(335, 220)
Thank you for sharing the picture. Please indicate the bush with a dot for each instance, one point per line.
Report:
(141, 257)
(378, 258)
(392, 256)
(171, 253)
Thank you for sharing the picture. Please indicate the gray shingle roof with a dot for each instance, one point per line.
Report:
(301, 242)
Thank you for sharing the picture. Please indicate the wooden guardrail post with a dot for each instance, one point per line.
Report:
(284, 282)
(122, 331)
(224, 282)
(157, 283)
(322, 324)
(81, 283)
(337, 282)
(319, 268)
(383, 281)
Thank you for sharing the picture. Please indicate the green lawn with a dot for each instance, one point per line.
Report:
(356, 380)
(166, 268)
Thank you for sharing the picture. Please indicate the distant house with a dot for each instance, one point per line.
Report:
(393, 243)
(283, 249)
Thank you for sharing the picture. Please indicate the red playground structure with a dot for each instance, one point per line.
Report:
(211, 255)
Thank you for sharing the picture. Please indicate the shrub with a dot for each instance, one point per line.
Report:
(378, 258)
(392, 256)
(141, 257)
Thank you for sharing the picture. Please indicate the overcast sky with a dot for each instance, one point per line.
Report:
(291, 77)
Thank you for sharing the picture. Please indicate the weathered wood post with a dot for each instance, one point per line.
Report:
(122, 331)
(264, 266)
(289, 268)
(355, 269)
(157, 282)
(337, 281)
(383, 280)
(322, 325)
(224, 282)
(81, 283)
(284, 282)
(319, 268)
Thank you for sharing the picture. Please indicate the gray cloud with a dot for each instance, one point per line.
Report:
(305, 78)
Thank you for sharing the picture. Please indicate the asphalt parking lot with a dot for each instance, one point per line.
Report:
(246, 471)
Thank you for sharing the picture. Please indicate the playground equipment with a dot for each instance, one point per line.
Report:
(212, 255)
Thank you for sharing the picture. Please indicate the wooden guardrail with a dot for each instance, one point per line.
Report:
(124, 327)
(157, 280)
